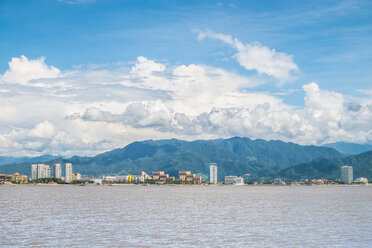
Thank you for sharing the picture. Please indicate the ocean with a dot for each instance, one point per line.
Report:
(185, 216)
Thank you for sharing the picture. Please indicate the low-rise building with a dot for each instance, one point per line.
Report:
(361, 180)
(97, 180)
(131, 178)
(15, 178)
(5, 178)
(182, 175)
(109, 178)
(319, 181)
(145, 175)
(160, 175)
(235, 180)
(76, 176)
(187, 176)
(279, 182)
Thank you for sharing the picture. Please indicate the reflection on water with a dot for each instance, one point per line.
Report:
(127, 216)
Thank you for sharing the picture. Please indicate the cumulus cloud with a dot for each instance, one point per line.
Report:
(255, 56)
(87, 112)
(146, 66)
(22, 70)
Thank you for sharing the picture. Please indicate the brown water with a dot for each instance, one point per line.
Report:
(186, 216)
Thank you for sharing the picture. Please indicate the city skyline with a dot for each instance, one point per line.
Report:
(85, 77)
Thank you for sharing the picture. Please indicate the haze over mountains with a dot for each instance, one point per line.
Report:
(350, 148)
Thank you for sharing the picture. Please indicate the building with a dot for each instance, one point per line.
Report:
(279, 182)
(213, 173)
(57, 170)
(235, 180)
(34, 171)
(130, 179)
(109, 179)
(160, 175)
(183, 174)
(68, 172)
(187, 176)
(145, 175)
(97, 180)
(76, 176)
(40, 171)
(15, 178)
(347, 174)
(319, 181)
(361, 180)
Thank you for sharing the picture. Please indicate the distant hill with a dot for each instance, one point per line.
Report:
(16, 160)
(330, 168)
(350, 148)
(235, 156)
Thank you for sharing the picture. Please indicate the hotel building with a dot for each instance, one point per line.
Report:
(186, 176)
(40, 171)
(68, 172)
(213, 173)
(347, 174)
(159, 175)
(57, 170)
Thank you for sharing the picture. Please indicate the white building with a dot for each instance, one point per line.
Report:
(34, 171)
(213, 173)
(40, 171)
(109, 178)
(68, 172)
(57, 170)
(347, 174)
(279, 181)
(121, 178)
(361, 180)
(97, 181)
(235, 180)
(131, 179)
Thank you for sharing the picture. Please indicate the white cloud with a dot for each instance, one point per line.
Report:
(87, 112)
(146, 66)
(22, 70)
(365, 91)
(257, 57)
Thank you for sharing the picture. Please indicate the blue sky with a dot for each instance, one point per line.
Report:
(325, 42)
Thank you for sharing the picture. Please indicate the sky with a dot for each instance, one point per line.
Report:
(80, 77)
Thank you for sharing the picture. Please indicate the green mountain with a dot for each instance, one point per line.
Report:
(350, 148)
(235, 156)
(330, 168)
(16, 160)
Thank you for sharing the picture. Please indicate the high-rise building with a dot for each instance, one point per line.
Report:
(347, 174)
(57, 170)
(68, 172)
(34, 171)
(213, 173)
(40, 171)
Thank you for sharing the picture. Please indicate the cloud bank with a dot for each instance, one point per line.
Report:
(85, 112)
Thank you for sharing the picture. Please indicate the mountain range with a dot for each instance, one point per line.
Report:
(330, 168)
(16, 160)
(350, 148)
(234, 156)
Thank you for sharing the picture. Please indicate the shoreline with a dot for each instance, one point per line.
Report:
(189, 185)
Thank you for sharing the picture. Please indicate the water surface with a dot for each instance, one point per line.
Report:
(185, 216)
